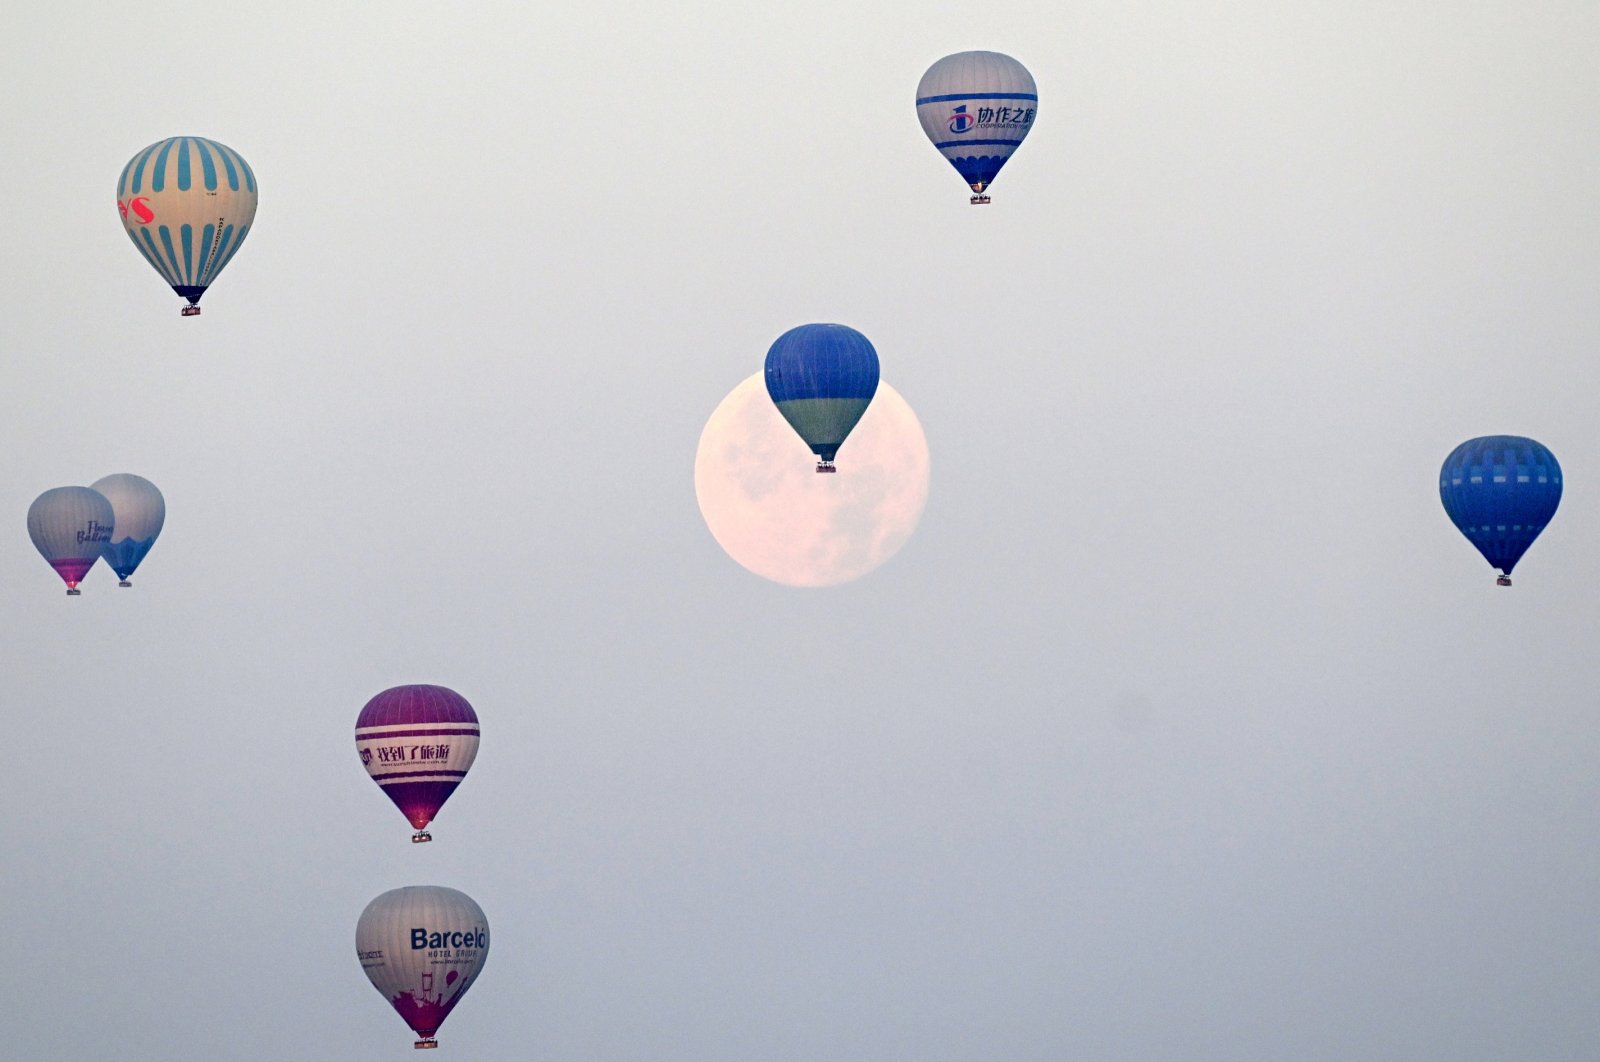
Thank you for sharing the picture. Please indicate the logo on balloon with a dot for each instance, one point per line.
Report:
(421, 938)
(960, 120)
(366, 757)
(140, 207)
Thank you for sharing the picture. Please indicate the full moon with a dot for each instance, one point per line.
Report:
(765, 504)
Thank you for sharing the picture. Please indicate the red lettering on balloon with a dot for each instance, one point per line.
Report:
(141, 210)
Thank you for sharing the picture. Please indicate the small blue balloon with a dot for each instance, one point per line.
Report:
(1500, 491)
(822, 378)
(140, 513)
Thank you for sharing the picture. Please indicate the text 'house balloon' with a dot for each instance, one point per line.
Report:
(70, 526)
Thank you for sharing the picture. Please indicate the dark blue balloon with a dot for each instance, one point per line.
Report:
(822, 377)
(1500, 491)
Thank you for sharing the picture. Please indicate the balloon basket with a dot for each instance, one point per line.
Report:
(124, 583)
(73, 591)
(979, 200)
(427, 1043)
(1502, 580)
(826, 466)
(421, 837)
(189, 311)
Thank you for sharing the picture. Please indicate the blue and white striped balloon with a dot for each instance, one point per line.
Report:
(822, 378)
(140, 512)
(187, 204)
(977, 107)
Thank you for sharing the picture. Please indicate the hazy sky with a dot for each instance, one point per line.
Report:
(1185, 726)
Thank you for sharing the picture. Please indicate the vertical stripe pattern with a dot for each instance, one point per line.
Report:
(177, 188)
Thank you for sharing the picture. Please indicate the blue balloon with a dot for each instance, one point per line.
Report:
(1500, 491)
(822, 378)
(140, 512)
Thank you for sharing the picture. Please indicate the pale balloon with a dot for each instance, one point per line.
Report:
(765, 505)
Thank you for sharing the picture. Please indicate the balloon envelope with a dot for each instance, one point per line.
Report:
(69, 527)
(822, 378)
(140, 511)
(1500, 491)
(422, 946)
(187, 204)
(417, 742)
(977, 107)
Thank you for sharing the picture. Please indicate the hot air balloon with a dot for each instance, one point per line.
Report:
(822, 377)
(1500, 491)
(422, 947)
(977, 107)
(187, 203)
(140, 511)
(418, 742)
(70, 526)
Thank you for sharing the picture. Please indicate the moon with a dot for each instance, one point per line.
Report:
(765, 504)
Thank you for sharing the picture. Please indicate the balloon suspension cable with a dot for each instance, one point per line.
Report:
(189, 311)
(421, 837)
(427, 1043)
(826, 466)
(980, 199)
(1502, 580)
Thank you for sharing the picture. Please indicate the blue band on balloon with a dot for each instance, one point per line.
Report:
(977, 143)
(220, 259)
(148, 256)
(224, 256)
(138, 172)
(208, 165)
(158, 173)
(154, 254)
(227, 162)
(979, 96)
(249, 174)
(205, 249)
(172, 254)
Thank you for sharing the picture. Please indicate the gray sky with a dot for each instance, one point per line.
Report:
(1186, 726)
